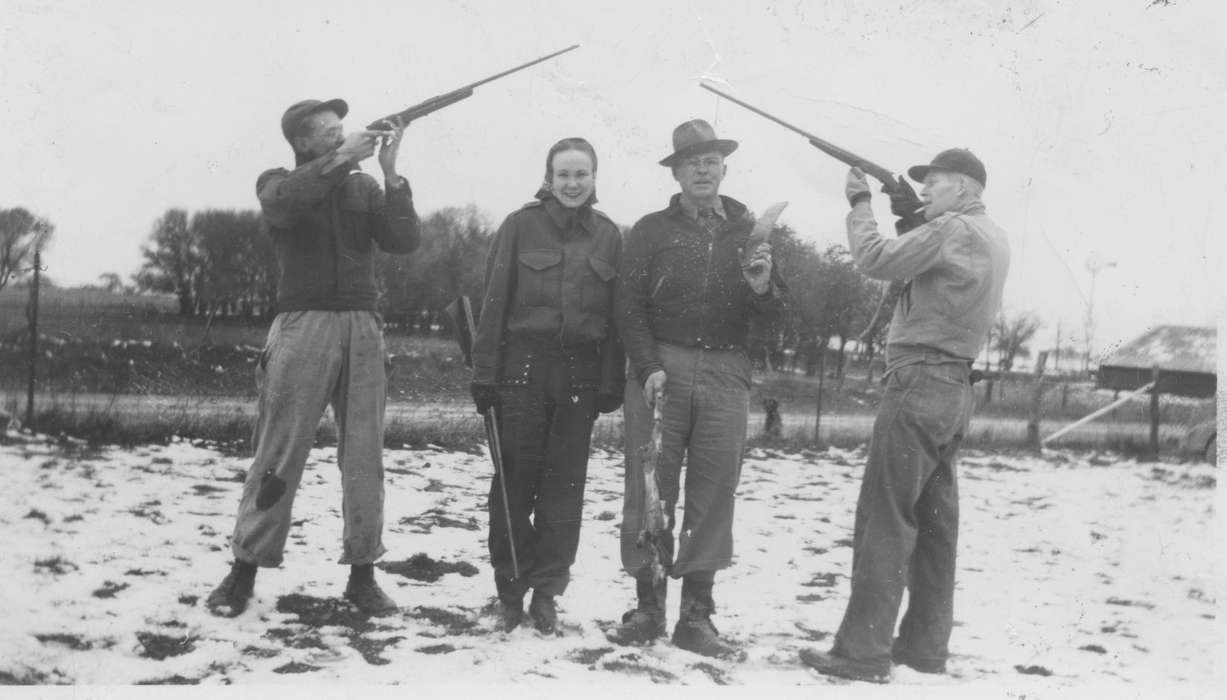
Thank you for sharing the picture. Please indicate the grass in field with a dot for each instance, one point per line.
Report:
(233, 432)
(95, 342)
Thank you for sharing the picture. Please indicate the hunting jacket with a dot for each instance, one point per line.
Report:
(957, 265)
(682, 285)
(550, 278)
(324, 226)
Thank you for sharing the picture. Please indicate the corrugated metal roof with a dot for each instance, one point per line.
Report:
(1175, 348)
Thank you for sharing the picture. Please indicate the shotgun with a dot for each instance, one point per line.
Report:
(460, 312)
(438, 102)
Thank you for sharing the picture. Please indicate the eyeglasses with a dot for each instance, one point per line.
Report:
(706, 163)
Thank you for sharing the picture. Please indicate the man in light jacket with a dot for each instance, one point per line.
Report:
(906, 529)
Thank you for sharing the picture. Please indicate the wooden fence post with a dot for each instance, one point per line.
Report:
(1154, 413)
(822, 372)
(33, 319)
(1037, 400)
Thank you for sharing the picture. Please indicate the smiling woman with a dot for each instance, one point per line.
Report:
(546, 361)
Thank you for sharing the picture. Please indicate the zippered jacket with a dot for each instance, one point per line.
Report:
(324, 228)
(680, 284)
(957, 266)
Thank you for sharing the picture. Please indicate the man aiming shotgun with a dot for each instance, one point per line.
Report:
(325, 346)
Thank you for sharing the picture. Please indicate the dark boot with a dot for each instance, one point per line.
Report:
(832, 664)
(510, 603)
(543, 612)
(647, 621)
(694, 630)
(365, 594)
(903, 657)
(230, 597)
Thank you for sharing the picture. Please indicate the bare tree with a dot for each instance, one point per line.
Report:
(236, 262)
(172, 261)
(21, 233)
(1010, 336)
(450, 262)
(111, 282)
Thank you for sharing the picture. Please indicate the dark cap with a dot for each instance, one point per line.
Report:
(955, 160)
(696, 136)
(297, 112)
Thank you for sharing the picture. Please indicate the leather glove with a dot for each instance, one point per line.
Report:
(903, 203)
(608, 403)
(856, 188)
(485, 396)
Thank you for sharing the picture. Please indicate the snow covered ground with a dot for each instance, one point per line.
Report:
(1075, 571)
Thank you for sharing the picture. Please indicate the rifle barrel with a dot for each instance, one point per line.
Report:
(509, 71)
(760, 112)
(848, 157)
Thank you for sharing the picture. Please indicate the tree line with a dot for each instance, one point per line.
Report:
(219, 263)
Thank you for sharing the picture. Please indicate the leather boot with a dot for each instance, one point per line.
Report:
(694, 630)
(647, 621)
(230, 598)
(510, 602)
(543, 611)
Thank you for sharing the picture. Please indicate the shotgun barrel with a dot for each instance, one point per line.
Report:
(882, 174)
(438, 102)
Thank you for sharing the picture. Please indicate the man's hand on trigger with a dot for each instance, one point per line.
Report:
(903, 199)
(389, 146)
(906, 205)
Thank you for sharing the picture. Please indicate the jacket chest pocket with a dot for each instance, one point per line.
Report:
(540, 278)
(597, 286)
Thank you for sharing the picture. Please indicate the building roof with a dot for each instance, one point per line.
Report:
(1173, 348)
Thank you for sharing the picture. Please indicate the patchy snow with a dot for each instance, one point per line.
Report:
(1076, 570)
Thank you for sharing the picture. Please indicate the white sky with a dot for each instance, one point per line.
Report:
(1099, 121)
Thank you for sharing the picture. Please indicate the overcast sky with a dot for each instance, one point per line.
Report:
(1100, 122)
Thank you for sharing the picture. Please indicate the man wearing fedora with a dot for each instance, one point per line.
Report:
(325, 346)
(684, 308)
(906, 526)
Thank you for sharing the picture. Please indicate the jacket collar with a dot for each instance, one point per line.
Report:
(971, 207)
(733, 209)
(583, 216)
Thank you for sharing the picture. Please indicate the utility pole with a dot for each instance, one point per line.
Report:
(1056, 357)
(1094, 263)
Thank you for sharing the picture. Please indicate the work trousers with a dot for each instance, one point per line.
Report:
(312, 359)
(707, 402)
(907, 518)
(545, 426)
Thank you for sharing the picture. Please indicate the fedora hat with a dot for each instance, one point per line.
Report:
(696, 136)
(297, 112)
